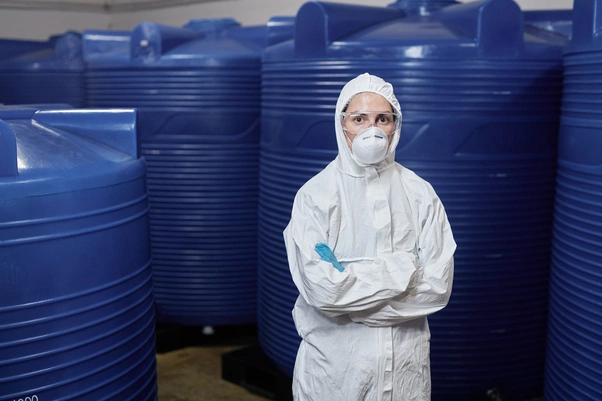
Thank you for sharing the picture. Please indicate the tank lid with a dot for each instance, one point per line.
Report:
(199, 43)
(81, 149)
(492, 29)
(8, 144)
(115, 128)
(60, 52)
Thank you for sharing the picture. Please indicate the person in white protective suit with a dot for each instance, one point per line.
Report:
(371, 251)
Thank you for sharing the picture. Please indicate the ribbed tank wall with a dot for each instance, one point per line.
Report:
(574, 347)
(283, 170)
(42, 87)
(38, 72)
(494, 169)
(199, 134)
(76, 305)
(494, 125)
(166, 90)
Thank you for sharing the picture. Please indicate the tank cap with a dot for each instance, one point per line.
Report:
(8, 151)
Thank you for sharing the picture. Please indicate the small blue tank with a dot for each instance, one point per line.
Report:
(42, 72)
(573, 369)
(197, 91)
(76, 306)
(480, 91)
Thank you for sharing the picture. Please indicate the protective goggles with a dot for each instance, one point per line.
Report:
(358, 121)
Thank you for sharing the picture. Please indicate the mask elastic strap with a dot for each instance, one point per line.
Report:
(349, 141)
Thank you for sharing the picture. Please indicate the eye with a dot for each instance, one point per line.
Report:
(384, 119)
(359, 119)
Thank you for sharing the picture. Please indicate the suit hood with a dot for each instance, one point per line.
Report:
(346, 162)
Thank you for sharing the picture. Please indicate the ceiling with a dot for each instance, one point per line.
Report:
(101, 6)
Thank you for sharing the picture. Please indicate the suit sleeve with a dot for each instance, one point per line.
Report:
(430, 289)
(362, 287)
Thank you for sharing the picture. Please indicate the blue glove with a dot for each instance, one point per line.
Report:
(327, 255)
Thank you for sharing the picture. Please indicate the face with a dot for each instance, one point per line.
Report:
(364, 110)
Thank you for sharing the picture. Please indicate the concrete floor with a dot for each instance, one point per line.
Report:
(189, 363)
(194, 374)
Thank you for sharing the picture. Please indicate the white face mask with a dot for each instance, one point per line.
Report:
(370, 146)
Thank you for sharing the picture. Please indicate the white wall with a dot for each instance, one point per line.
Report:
(247, 12)
(39, 25)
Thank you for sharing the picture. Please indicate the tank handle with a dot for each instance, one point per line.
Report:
(150, 40)
(587, 25)
(496, 25)
(112, 127)
(318, 23)
(8, 151)
(280, 29)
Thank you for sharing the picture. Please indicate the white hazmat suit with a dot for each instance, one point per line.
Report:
(364, 330)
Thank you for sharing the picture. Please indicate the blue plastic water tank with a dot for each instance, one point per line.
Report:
(574, 347)
(42, 71)
(76, 307)
(197, 91)
(481, 101)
